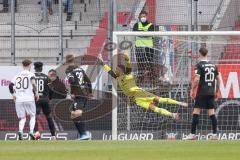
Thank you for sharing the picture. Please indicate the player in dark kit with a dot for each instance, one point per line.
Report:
(42, 81)
(81, 91)
(207, 81)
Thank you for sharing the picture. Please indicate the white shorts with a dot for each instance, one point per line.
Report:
(25, 108)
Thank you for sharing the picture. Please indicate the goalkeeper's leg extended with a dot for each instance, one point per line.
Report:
(148, 104)
(142, 94)
(164, 112)
(170, 101)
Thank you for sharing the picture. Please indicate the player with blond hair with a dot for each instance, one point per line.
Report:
(24, 92)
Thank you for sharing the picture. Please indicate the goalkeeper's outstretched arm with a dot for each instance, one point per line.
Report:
(107, 68)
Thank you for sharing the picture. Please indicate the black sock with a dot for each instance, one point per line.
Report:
(214, 123)
(51, 126)
(36, 125)
(80, 127)
(194, 123)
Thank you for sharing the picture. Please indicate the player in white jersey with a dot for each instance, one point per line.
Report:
(23, 89)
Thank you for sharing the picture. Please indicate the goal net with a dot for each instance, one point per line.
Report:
(166, 69)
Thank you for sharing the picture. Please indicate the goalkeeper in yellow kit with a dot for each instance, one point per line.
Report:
(139, 96)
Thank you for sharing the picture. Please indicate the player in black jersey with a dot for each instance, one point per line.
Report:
(207, 83)
(42, 81)
(81, 91)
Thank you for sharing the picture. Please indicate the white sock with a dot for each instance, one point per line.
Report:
(32, 123)
(22, 124)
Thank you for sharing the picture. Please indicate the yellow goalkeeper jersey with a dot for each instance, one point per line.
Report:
(128, 85)
(126, 82)
(139, 96)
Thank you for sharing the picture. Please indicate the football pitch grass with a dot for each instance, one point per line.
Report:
(120, 150)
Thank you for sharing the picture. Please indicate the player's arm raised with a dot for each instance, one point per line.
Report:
(106, 67)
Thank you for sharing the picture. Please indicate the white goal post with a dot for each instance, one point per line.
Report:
(188, 34)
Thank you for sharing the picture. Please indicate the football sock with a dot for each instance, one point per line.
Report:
(167, 101)
(22, 124)
(162, 111)
(214, 123)
(194, 123)
(32, 123)
(51, 126)
(80, 127)
(36, 125)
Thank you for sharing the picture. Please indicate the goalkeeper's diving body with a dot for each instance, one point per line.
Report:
(139, 96)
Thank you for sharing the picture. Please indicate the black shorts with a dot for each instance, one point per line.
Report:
(205, 102)
(43, 104)
(79, 103)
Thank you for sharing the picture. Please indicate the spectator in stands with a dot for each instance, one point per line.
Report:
(46, 8)
(6, 6)
(49, 5)
(68, 8)
(56, 86)
(144, 48)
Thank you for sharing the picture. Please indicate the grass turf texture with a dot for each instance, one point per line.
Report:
(120, 150)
